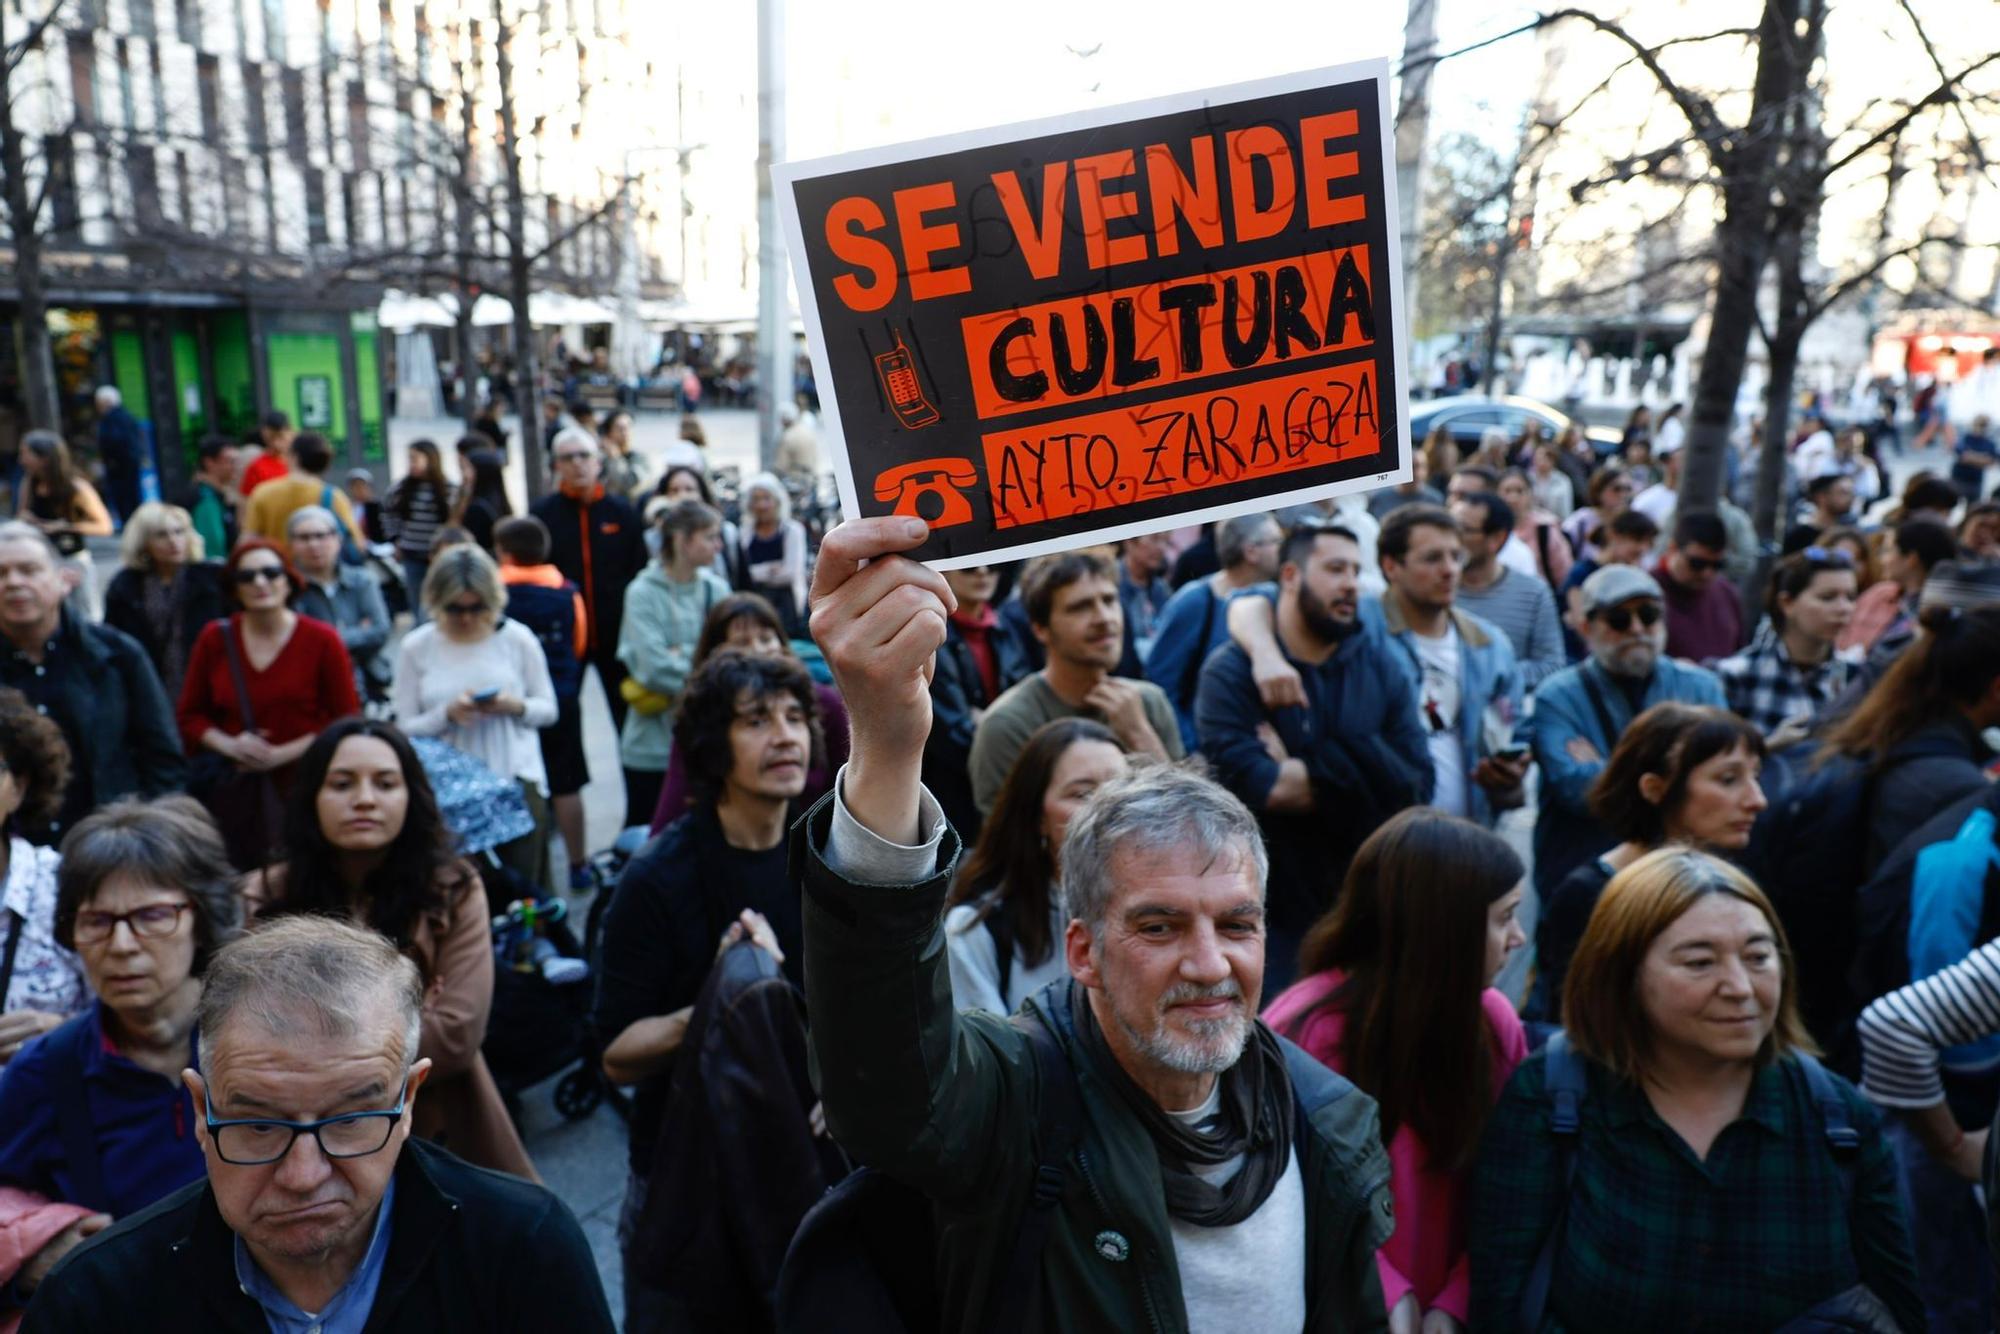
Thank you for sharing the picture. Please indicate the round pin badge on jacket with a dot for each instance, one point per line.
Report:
(1112, 1245)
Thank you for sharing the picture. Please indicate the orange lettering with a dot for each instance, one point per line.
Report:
(1198, 202)
(1323, 209)
(862, 251)
(921, 241)
(1041, 248)
(1100, 249)
(1245, 146)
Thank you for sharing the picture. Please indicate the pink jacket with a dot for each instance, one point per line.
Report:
(28, 1222)
(1427, 1255)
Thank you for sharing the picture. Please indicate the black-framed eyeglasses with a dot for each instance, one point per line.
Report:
(1830, 556)
(254, 1141)
(250, 574)
(316, 535)
(1620, 618)
(466, 608)
(155, 921)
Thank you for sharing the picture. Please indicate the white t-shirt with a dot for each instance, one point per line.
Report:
(1249, 1278)
(1439, 700)
(1657, 502)
(1518, 555)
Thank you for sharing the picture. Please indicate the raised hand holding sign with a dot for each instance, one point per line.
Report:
(879, 617)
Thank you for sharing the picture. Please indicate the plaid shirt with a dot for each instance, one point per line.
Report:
(1657, 1239)
(1766, 687)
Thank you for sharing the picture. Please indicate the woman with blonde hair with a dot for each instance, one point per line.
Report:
(774, 550)
(1678, 1158)
(479, 681)
(167, 592)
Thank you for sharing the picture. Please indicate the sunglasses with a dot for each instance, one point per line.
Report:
(465, 608)
(1701, 564)
(251, 574)
(1620, 618)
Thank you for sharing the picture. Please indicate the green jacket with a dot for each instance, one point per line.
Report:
(947, 1102)
(656, 642)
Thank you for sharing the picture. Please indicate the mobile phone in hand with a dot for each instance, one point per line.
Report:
(486, 696)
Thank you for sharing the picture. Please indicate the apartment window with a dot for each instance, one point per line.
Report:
(292, 86)
(208, 87)
(184, 187)
(253, 107)
(234, 205)
(65, 214)
(357, 123)
(159, 93)
(274, 29)
(142, 18)
(83, 76)
(315, 206)
(145, 175)
(187, 21)
(127, 106)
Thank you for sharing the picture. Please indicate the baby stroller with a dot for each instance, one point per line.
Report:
(542, 988)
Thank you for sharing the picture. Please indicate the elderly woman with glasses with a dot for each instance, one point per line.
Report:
(95, 1123)
(260, 686)
(1790, 675)
(479, 681)
(166, 593)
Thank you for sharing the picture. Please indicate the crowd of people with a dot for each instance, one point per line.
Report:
(1465, 905)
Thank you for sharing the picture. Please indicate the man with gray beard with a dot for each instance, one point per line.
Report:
(1222, 1179)
(1581, 711)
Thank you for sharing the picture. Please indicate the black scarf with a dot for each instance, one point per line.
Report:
(1256, 1116)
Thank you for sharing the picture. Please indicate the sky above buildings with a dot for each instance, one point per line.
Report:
(893, 70)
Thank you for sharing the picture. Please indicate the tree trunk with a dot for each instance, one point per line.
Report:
(1742, 240)
(31, 320)
(1790, 330)
(527, 374)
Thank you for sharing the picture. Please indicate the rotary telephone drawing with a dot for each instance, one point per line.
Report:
(941, 482)
(906, 393)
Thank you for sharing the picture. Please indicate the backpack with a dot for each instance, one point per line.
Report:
(865, 1257)
(1567, 1084)
(350, 554)
(1809, 852)
(1947, 871)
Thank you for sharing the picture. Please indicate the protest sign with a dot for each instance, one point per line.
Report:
(1116, 322)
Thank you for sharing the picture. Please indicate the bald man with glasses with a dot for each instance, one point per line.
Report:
(318, 1213)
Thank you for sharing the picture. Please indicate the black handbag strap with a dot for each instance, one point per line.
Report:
(236, 675)
(17, 926)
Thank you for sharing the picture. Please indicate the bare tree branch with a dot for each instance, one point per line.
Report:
(1945, 93)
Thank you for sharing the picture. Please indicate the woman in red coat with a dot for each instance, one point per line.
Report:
(297, 678)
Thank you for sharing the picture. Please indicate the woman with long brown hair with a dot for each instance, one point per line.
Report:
(1003, 930)
(1396, 993)
(1919, 727)
(416, 507)
(60, 501)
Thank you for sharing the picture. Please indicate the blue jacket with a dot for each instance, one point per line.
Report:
(1192, 625)
(143, 1125)
(1566, 835)
(1360, 742)
(1490, 677)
